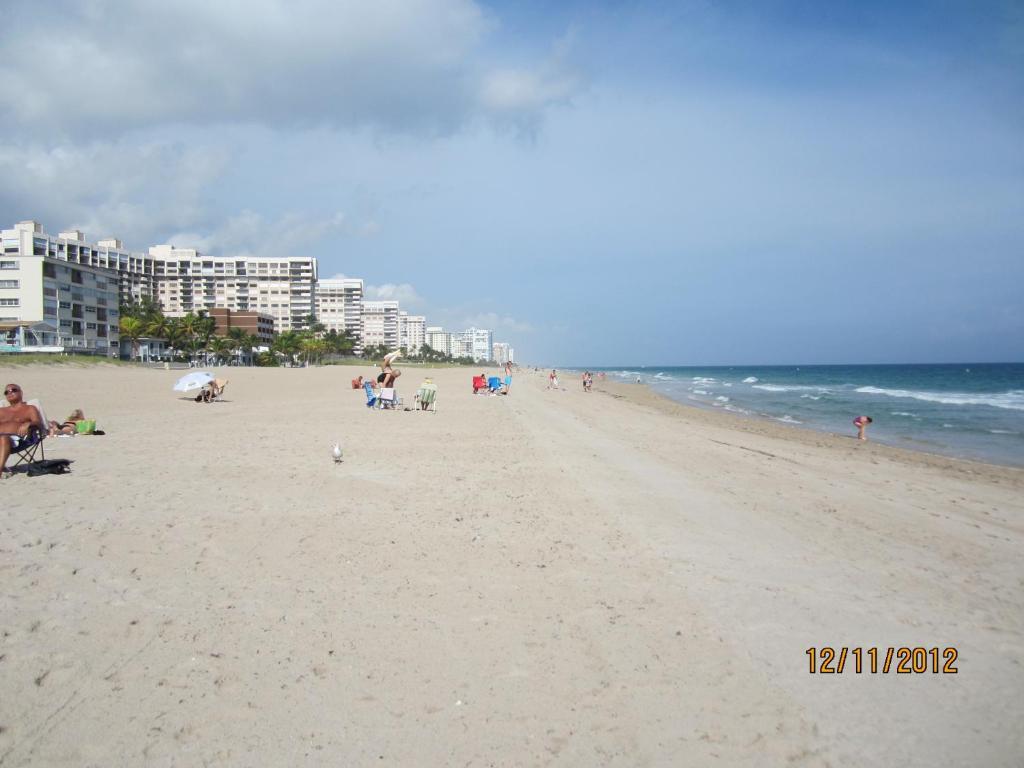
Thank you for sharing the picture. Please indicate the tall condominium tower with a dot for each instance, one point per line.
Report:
(282, 287)
(380, 323)
(339, 307)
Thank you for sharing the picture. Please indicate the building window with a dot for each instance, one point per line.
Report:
(9, 302)
(10, 284)
(76, 328)
(8, 265)
(76, 276)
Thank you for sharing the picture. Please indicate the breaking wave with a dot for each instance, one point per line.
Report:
(1012, 400)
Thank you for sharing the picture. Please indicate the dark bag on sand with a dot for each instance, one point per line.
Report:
(49, 467)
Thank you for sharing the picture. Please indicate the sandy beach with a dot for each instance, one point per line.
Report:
(549, 578)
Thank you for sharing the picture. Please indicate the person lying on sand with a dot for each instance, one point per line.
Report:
(68, 426)
(15, 422)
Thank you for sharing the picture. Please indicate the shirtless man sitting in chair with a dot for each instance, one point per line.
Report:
(15, 422)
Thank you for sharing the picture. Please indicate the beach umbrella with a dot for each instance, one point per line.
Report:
(196, 380)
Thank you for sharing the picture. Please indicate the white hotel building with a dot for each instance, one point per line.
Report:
(55, 296)
(503, 353)
(412, 332)
(380, 323)
(283, 288)
(339, 307)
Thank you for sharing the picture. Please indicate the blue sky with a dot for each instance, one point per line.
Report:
(687, 183)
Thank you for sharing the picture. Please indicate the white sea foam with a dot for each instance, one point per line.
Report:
(722, 399)
(750, 380)
(789, 388)
(1003, 432)
(787, 419)
(734, 409)
(703, 380)
(727, 384)
(811, 397)
(699, 392)
(904, 413)
(1012, 400)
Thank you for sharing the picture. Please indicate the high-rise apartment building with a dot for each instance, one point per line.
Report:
(380, 323)
(284, 288)
(438, 339)
(339, 307)
(502, 353)
(460, 345)
(412, 331)
(51, 303)
(481, 342)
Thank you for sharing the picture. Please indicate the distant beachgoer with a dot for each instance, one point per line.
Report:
(637, 379)
(357, 383)
(861, 423)
(553, 379)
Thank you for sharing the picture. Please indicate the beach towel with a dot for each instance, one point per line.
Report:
(49, 467)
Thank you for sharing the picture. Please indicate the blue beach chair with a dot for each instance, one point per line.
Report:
(371, 399)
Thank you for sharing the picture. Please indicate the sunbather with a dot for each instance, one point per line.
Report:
(69, 426)
(16, 421)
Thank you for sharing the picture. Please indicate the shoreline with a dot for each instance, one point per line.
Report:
(625, 390)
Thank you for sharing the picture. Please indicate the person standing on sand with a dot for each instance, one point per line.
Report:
(861, 423)
(553, 379)
(15, 421)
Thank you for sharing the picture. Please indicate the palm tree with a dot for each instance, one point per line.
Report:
(174, 333)
(206, 326)
(189, 329)
(238, 338)
(287, 343)
(133, 329)
(221, 347)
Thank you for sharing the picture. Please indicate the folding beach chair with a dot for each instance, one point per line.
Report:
(371, 399)
(426, 395)
(389, 398)
(29, 446)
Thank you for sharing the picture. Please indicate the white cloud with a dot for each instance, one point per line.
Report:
(251, 234)
(410, 66)
(523, 94)
(496, 322)
(403, 293)
(109, 189)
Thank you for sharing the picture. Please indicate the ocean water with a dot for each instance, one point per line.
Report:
(969, 410)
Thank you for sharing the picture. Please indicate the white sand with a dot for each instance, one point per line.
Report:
(548, 578)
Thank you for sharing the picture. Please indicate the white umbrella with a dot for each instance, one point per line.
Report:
(196, 380)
